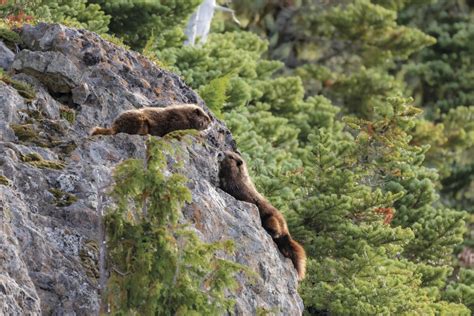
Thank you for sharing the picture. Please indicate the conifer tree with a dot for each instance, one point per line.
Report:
(159, 267)
(365, 211)
(77, 13)
(357, 191)
(440, 77)
(136, 21)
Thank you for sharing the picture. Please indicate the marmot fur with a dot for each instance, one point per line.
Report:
(235, 180)
(157, 121)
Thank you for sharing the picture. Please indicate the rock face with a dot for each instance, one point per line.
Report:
(6, 56)
(54, 177)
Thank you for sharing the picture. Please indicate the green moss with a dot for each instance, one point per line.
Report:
(4, 180)
(24, 89)
(52, 127)
(33, 114)
(10, 37)
(67, 114)
(25, 132)
(115, 40)
(29, 134)
(36, 160)
(89, 253)
(31, 157)
(182, 134)
(262, 311)
(62, 198)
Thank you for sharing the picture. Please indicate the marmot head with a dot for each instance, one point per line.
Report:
(198, 118)
(233, 176)
(231, 164)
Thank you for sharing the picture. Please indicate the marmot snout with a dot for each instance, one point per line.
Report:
(157, 121)
(235, 180)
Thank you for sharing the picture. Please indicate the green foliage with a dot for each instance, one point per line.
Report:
(158, 266)
(137, 20)
(258, 109)
(440, 78)
(214, 94)
(24, 89)
(37, 161)
(4, 181)
(24, 132)
(78, 13)
(9, 37)
(374, 29)
(443, 72)
(62, 198)
(367, 193)
(67, 114)
(355, 216)
(463, 290)
(375, 196)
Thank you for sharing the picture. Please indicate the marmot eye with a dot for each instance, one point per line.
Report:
(239, 162)
(198, 112)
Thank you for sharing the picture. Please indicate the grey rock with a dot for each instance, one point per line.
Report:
(52, 258)
(53, 69)
(6, 56)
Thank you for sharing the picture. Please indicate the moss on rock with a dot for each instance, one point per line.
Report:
(10, 37)
(4, 180)
(67, 114)
(62, 198)
(24, 89)
(36, 160)
(27, 133)
(89, 255)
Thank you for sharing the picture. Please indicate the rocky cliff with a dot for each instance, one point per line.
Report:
(54, 177)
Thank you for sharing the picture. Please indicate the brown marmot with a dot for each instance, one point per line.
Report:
(157, 121)
(235, 180)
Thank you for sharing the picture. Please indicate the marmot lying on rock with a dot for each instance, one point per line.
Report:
(234, 179)
(157, 121)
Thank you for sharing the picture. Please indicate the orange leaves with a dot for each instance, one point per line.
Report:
(18, 18)
(388, 212)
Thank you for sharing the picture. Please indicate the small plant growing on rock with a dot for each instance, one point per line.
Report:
(4, 181)
(9, 37)
(214, 93)
(67, 114)
(24, 89)
(36, 160)
(62, 198)
(159, 267)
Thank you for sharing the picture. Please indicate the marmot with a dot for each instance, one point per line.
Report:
(235, 180)
(157, 121)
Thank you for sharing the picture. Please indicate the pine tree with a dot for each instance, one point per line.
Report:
(357, 191)
(77, 13)
(439, 77)
(136, 21)
(365, 211)
(441, 74)
(258, 108)
(159, 267)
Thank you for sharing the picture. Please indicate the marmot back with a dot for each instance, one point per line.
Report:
(234, 179)
(157, 121)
